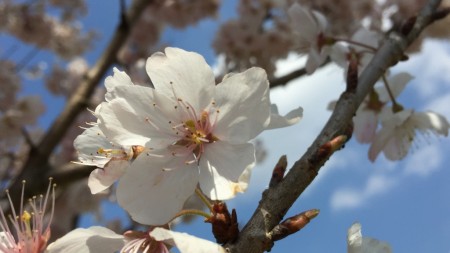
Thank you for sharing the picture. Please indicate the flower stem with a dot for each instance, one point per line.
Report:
(204, 199)
(372, 49)
(191, 212)
(396, 107)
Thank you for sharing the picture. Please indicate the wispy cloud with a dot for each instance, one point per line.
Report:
(353, 198)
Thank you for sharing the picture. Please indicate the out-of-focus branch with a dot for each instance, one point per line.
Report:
(36, 168)
(277, 200)
(282, 80)
(70, 172)
(287, 78)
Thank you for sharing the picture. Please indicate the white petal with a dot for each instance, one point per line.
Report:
(90, 240)
(119, 78)
(397, 146)
(315, 59)
(354, 238)
(380, 141)
(304, 23)
(186, 243)
(370, 245)
(154, 188)
(430, 121)
(244, 180)
(338, 55)
(365, 125)
(278, 121)
(396, 84)
(365, 37)
(244, 105)
(184, 73)
(119, 121)
(146, 107)
(221, 166)
(102, 179)
(87, 145)
(356, 243)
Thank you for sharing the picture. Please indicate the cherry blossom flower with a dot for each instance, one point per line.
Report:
(356, 243)
(95, 149)
(158, 240)
(193, 132)
(111, 159)
(367, 116)
(309, 26)
(28, 226)
(341, 53)
(399, 129)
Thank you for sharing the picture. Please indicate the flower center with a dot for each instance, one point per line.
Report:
(196, 133)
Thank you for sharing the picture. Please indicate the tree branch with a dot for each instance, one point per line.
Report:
(277, 200)
(287, 78)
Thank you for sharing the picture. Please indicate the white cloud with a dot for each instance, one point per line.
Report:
(355, 198)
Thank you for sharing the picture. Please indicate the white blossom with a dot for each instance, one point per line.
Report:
(367, 116)
(399, 130)
(356, 243)
(309, 27)
(193, 132)
(158, 240)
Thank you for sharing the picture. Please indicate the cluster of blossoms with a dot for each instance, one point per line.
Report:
(16, 116)
(156, 16)
(64, 81)
(31, 24)
(163, 142)
(300, 26)
(399, 125)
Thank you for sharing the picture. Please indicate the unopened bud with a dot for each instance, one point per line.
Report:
(224, 225)
(278, 171)
(327, 149)
(293, 224)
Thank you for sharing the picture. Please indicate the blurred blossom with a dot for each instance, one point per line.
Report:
(366, 119)
(249, 40)
(64, 81)
(356, 243)
(10, 84)
(35, 71)
(309, 28)
(31, 24)
(23, 113)
(343, 52)
(399, 130)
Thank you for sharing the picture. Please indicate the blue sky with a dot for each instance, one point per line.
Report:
(404, 203)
